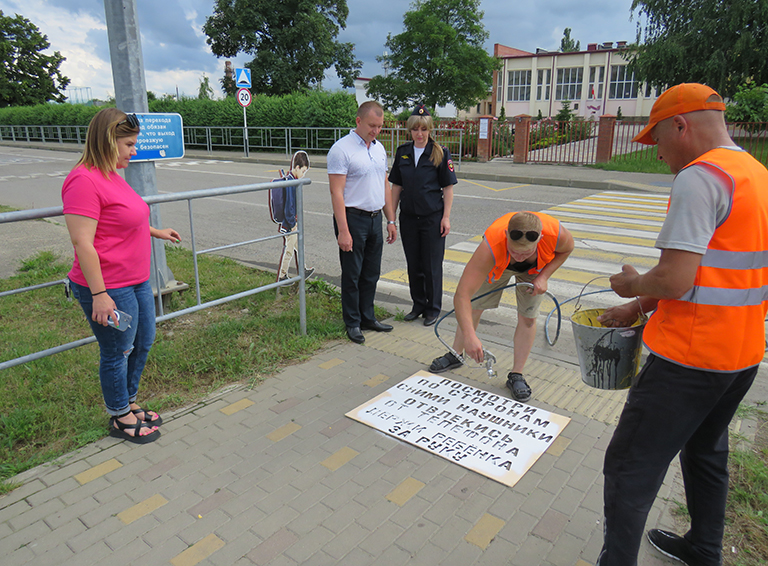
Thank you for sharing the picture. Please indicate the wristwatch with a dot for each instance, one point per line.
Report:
(391, 222)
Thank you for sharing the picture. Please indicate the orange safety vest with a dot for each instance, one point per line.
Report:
(496, 236)
(718, 325)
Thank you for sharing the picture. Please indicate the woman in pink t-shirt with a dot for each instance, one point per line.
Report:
(109, 227)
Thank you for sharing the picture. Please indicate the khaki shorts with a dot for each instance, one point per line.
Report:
(527, 304)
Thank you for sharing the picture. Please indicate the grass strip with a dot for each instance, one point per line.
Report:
(54, 405)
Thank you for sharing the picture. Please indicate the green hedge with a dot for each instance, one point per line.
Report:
(307, 109)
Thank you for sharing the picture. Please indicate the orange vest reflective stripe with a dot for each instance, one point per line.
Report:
(718, 325)
(496, 236)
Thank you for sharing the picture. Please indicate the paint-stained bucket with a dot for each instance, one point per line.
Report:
(609, 357)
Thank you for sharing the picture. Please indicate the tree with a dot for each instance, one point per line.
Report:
(565, 114)
(206, 90)
(438, 59)
(27, 77)
(228, 85)
(720, 43)
(750, 104)
(293, 42)
(567, 44)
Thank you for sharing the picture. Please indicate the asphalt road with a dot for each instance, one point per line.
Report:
(610, 228)
(33, 179)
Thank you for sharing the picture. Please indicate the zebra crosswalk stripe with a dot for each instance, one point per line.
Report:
(610, 229)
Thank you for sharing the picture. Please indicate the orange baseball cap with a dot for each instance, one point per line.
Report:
(679, 99)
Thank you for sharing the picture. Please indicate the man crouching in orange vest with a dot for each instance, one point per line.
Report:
(530, 246)
(706, 336)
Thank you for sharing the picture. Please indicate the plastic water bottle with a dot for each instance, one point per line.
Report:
(123, 321)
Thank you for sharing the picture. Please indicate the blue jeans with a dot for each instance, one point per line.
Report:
(123, 354)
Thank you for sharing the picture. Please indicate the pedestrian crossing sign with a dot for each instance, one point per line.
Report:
(243, 78)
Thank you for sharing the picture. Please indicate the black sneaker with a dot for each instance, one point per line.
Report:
(675, 547)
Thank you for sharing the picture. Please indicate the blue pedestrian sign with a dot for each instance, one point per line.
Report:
(243, 78)
(161, 137)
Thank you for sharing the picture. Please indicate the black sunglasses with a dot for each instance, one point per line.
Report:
(530, 235)
(131, 120)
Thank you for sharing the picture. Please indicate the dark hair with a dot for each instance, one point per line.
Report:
(300, 159)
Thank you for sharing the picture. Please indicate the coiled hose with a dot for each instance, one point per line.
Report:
(488, 357)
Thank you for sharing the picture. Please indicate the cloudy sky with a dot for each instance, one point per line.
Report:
(176, 55)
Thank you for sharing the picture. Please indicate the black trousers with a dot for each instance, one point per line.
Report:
(671, 409)
(424, 249)
(360, 268)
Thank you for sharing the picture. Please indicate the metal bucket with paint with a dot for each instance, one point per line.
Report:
(608, 357)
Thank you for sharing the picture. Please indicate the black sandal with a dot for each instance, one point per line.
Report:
(120, 433)
(518, 387)
(156, 422)
(444, 363)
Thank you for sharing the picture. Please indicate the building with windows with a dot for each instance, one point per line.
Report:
(595, 81)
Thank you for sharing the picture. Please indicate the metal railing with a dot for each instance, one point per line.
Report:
(189, 196)
(752, 136)
(233, 138)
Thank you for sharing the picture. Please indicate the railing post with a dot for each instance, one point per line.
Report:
(302, 274)
(58, 128)
(522, 138)
(42, 133)
(605, 138)
(208, 140)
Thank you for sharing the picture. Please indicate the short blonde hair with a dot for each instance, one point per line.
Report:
(106, 127)
(525, 222)
(370, 106)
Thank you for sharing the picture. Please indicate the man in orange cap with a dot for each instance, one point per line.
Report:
(711, 282)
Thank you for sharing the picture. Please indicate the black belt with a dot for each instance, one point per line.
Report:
(359, 212)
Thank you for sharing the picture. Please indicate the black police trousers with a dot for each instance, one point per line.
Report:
(424, 251)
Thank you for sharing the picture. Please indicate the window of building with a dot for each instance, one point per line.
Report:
(623, 83)
(596, 82)
(543, 84)
(499, 86)
(650, 90)
(519, 85)
(569, 83)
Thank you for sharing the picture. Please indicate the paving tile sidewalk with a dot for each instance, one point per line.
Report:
(278, 475)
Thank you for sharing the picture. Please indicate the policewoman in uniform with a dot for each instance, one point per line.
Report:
(422, 179)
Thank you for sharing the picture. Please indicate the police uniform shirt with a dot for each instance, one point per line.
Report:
(422, 183)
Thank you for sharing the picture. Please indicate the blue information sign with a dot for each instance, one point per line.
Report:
(243, 78)
(161, 137)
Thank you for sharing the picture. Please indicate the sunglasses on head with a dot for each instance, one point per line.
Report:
(131, 120)
(530, 235)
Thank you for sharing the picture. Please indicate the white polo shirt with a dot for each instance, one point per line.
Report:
(365, 169)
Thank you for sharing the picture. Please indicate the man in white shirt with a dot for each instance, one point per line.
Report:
(357, 174)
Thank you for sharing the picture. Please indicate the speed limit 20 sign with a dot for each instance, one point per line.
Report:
(244, 97)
